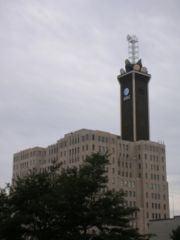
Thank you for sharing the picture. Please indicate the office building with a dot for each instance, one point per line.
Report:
(137, 165)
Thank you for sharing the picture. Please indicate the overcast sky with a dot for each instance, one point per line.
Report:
(59, 61)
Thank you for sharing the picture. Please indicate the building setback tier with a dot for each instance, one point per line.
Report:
(139, 168)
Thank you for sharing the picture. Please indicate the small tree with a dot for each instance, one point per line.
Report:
(73, 204)
(175, 234)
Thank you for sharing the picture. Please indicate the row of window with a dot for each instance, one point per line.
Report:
(154, 186)
(124, 164)
(129, 174)
(130, 193)
(26, 155)
(158, 206)
(53, 150)
(151, 148)
(156, 216)
(90, 137)
(155, 196)
(123, 155)
(154, 205)
(125, 183)
(153, 158)
(154, 167)
(87, 137)
(123, 174)
(87, 147)
(155, 177)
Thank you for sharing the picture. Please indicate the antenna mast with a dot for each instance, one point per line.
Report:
(133, 48)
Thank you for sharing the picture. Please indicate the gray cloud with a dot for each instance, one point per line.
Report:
(58, 66)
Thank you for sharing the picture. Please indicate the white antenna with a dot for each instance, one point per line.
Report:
(133, 48)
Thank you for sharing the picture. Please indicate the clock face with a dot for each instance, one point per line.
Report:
(126, 91)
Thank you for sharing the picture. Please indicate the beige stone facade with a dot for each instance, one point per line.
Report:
(139, 168)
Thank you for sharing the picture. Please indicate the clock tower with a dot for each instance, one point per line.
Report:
(134, 96)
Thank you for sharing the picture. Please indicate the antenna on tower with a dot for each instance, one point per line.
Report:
(133, 48)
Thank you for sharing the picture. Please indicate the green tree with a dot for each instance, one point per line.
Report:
(73, 203)
(175, 234)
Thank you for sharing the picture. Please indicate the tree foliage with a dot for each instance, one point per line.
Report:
(176, 234)
(73, 203)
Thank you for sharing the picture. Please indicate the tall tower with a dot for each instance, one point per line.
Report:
(134, 95)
